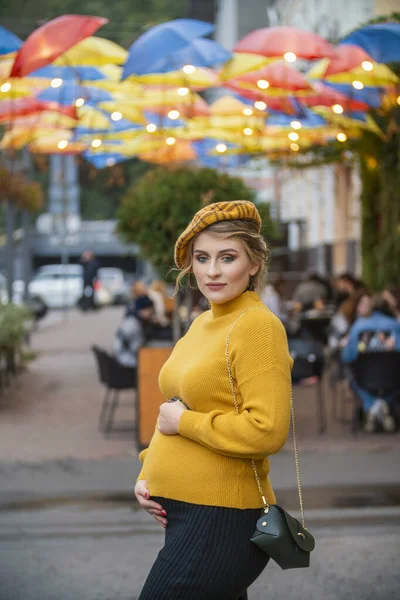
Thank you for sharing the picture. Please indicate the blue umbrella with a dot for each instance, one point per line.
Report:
(8, 42)
(162, 40)
(199, 53)
(369, 95)
(70, 91)
(163, 121)
(68, 73)
(381, 41)
(115, 127)
(207, 145)
(310, 119)
(101, 161)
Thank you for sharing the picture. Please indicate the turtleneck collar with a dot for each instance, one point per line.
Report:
(245, 300)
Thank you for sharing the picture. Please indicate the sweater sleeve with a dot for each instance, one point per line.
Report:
(260, 364)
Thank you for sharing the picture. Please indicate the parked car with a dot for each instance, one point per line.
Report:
(113, 279)
(62, 285)
(34, 303)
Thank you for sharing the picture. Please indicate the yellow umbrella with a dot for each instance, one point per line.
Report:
(126, 109)
(19, 88)
(94, 52)
(18, 137)
(347, 122)
(49, 147)
(46, 118)
(380, 75)
(243, 63)
(91, 118)
(201, 78)
(229, 122)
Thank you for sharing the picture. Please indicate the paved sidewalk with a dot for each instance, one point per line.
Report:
(50, 445)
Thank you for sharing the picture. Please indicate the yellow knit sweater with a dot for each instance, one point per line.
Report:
(208, 462)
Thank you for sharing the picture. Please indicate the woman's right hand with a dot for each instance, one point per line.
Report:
(143, 497)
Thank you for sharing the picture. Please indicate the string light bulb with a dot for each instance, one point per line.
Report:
(79, 102)
(170, 141)
(116, 115)
(110, 162)
(248, 112)
(174, 115)
(293, 136)
(337, 109)
(367, 65)
(357, 85)
(294, 147)
(341, 137)
(56, 82)
(5, 87)
(188, 69)
(183, 91)
(248, 131)
(260, 105)
(295, 124)
(290, 57)
(221, 148)
(151, 127)
(62, 144)
(263, 84)
(96, 143)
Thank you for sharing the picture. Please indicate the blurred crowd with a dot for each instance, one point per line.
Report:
(341, 315)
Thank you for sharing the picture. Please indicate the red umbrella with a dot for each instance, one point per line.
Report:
(279, 103)
(10, 109)
(346, 58)
(278, 41)
(51, 40)
(326, 96)
(278, 75)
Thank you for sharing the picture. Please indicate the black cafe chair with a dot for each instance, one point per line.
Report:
(115, 378)
(309, 361)
(377, 372)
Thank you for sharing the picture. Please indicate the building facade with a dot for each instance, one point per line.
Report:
(319, 206)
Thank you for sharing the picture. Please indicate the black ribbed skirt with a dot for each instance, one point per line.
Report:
(207, 554)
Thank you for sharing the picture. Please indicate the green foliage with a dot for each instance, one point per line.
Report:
(128, 18)
(26, 194)
(158, 208)
(13, 326)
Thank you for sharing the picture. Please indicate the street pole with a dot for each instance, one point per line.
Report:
(10, 247)
(64, 246)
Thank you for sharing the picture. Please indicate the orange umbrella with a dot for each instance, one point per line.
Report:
(51, 40)
(181, 151)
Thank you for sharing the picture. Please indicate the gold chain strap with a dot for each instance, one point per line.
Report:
(265, 503)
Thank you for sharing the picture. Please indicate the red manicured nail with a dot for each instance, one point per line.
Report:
(163, 512)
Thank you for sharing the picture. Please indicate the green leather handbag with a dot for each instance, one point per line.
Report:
(277, 533)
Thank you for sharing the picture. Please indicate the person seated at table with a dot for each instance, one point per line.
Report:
(378, 329)
(311, 293)
(359, 304)
(135, 330)
(345, 286)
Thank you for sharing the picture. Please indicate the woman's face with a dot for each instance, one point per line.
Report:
(364, 307)
(221, 267)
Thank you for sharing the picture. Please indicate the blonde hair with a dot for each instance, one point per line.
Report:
(255, 246)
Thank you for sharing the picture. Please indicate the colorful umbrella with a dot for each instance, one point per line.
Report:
(94, 52)
(101, 161)
(8, 42)
(277, 75)
(381, 41)
(372, 96)
(70, 91)
(242, 63)
(287, 42)
(75, 73)
(328, 96)
(344, 59)
(161, 40)
(378, 75)
(200, 79)
(10, 109)
(51, 40)
(179, 151)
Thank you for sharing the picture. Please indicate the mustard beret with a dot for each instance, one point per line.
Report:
(210, 214)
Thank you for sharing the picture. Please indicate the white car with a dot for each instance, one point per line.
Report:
(61, 286)
(113, 280)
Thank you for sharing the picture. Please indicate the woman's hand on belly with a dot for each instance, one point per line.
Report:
(169, 417)
(143, 497)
